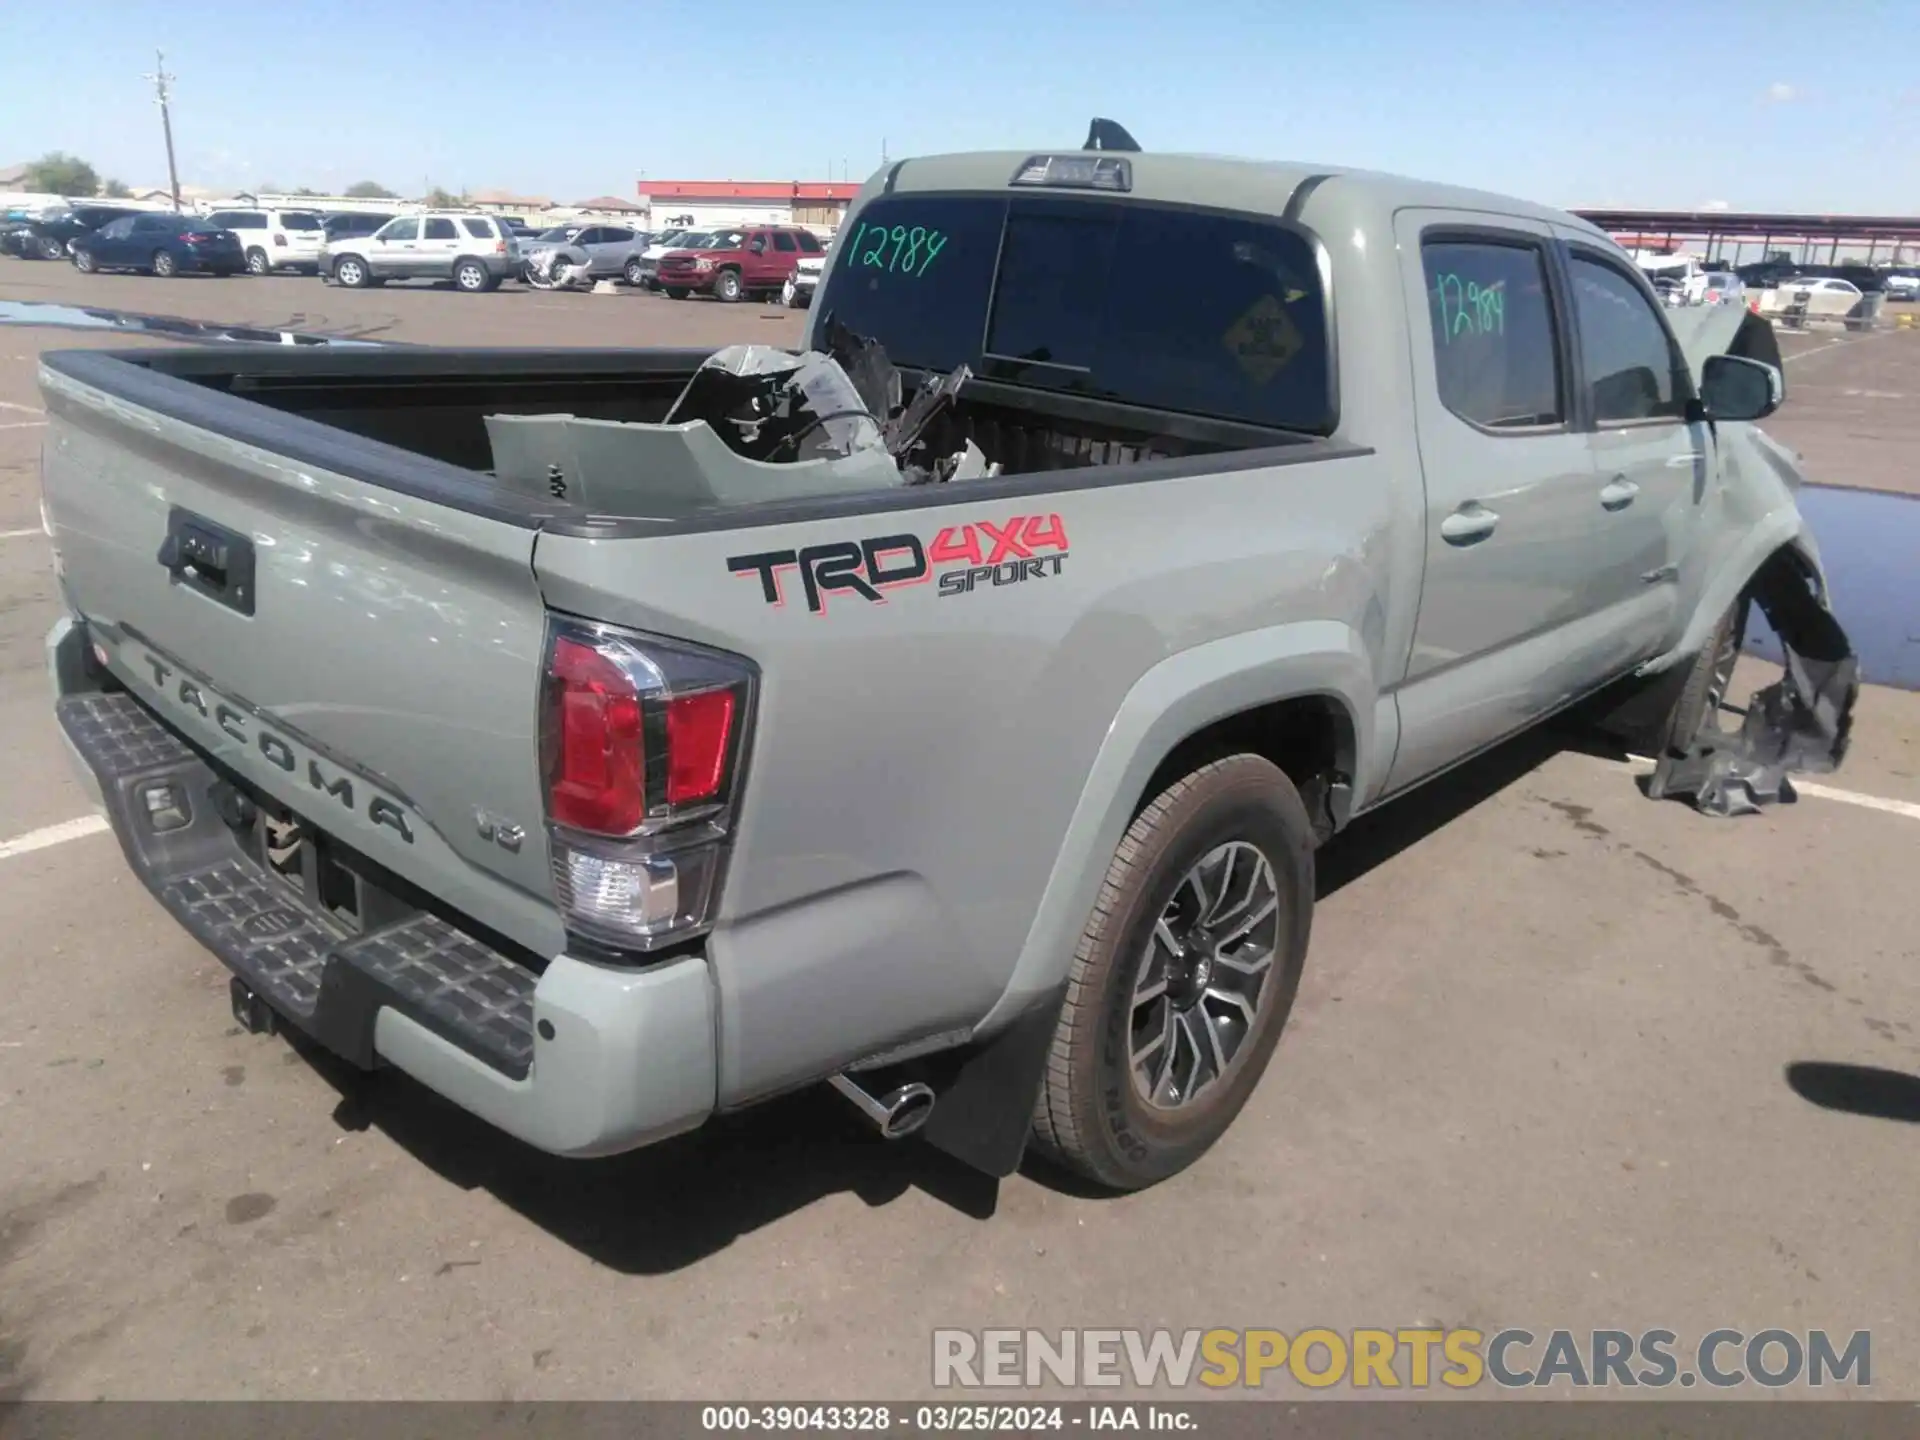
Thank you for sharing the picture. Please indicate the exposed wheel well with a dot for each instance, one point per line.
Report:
(1310, 737)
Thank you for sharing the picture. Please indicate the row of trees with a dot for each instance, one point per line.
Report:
(61, 174)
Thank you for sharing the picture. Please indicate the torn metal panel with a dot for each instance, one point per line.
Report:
(1723, 329)
(753, 424)
(1801, 723)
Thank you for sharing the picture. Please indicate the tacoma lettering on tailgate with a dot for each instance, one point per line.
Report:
(289, 754)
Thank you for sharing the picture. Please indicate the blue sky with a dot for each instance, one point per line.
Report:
(1616, 103)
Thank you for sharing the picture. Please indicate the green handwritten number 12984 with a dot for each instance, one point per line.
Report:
(900, 250)
(1467, 308)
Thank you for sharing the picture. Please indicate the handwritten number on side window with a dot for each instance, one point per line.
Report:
(1469, 308)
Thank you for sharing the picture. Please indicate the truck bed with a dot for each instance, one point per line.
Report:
(424, 412)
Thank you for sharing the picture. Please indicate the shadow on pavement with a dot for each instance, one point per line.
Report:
(1857, 1089)
(671, 1205)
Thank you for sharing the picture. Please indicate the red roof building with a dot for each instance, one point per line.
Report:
(761, 190)
(818, 203)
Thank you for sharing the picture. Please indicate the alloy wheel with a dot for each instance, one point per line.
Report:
(1203, 976)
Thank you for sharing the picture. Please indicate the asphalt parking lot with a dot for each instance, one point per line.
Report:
(1563, 1057)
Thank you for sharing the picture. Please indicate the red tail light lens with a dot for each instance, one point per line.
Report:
(698, 729)
(597, 775)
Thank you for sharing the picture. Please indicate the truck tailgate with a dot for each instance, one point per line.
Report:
(366, 656)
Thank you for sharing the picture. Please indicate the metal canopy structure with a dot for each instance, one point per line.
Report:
(1890, 237)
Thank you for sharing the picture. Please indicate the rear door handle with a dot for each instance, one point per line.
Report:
(1468, 525)
(1619, 494)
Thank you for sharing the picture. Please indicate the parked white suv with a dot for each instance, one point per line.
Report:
(475, 252)
(275, 239)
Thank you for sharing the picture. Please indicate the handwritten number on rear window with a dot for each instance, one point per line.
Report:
(902, 250)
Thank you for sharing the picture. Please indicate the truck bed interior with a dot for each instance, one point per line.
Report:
(434, 403)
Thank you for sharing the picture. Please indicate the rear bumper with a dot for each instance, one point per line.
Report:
(579, 1059)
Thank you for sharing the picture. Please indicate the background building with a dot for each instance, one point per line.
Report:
(817, 204)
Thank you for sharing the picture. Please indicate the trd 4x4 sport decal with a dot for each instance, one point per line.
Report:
(991, 553)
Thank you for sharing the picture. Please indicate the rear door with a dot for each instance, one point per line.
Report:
(439, 247)
(1506, 625)
(784, 255)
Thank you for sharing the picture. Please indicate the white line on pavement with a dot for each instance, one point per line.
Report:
(1833, 345)
(20, 534)
(23, 409)
(1824, 792)
(24, 425)
(76, 829)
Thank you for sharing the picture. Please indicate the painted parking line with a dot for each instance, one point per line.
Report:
(23, 424)
(1835, 344)
(20, 534)
(75, 829)
(1882, 803)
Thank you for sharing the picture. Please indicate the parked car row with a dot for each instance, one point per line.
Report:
(474, 252)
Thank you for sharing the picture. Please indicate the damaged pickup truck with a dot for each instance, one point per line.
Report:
(950, 712)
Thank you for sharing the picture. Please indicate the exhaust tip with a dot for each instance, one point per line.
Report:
(908, 1108)
(897, 1113)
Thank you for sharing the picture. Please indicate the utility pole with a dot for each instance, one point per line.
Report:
(161, 80)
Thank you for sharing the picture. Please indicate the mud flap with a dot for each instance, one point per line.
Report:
(985, 1092)
(1800, 724)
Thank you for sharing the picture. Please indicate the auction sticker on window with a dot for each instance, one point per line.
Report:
(1264, 340)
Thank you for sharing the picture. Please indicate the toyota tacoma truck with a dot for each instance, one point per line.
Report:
(605, 769)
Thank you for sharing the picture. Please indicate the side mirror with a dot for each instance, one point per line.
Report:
(1735, 388)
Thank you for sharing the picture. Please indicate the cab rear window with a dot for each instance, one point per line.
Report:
(1192, 311)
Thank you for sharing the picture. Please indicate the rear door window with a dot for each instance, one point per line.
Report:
(1055, 293)
(401, 230)
(1496, 355)
(440, 229)
(782, 241)
(808, 244)
(479, 229)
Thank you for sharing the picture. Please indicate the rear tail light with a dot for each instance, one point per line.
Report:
(199, 237)
(642, 741)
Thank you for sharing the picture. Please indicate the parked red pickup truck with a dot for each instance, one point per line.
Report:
(728, 264)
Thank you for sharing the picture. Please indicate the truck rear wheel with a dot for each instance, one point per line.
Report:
(726, 286)
(1184, 977)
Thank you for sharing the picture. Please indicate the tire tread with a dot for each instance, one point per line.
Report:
(1056, 1128)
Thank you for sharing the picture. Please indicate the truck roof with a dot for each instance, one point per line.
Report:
(1229, 182)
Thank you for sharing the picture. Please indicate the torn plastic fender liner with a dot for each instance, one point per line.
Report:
(1801, 723)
